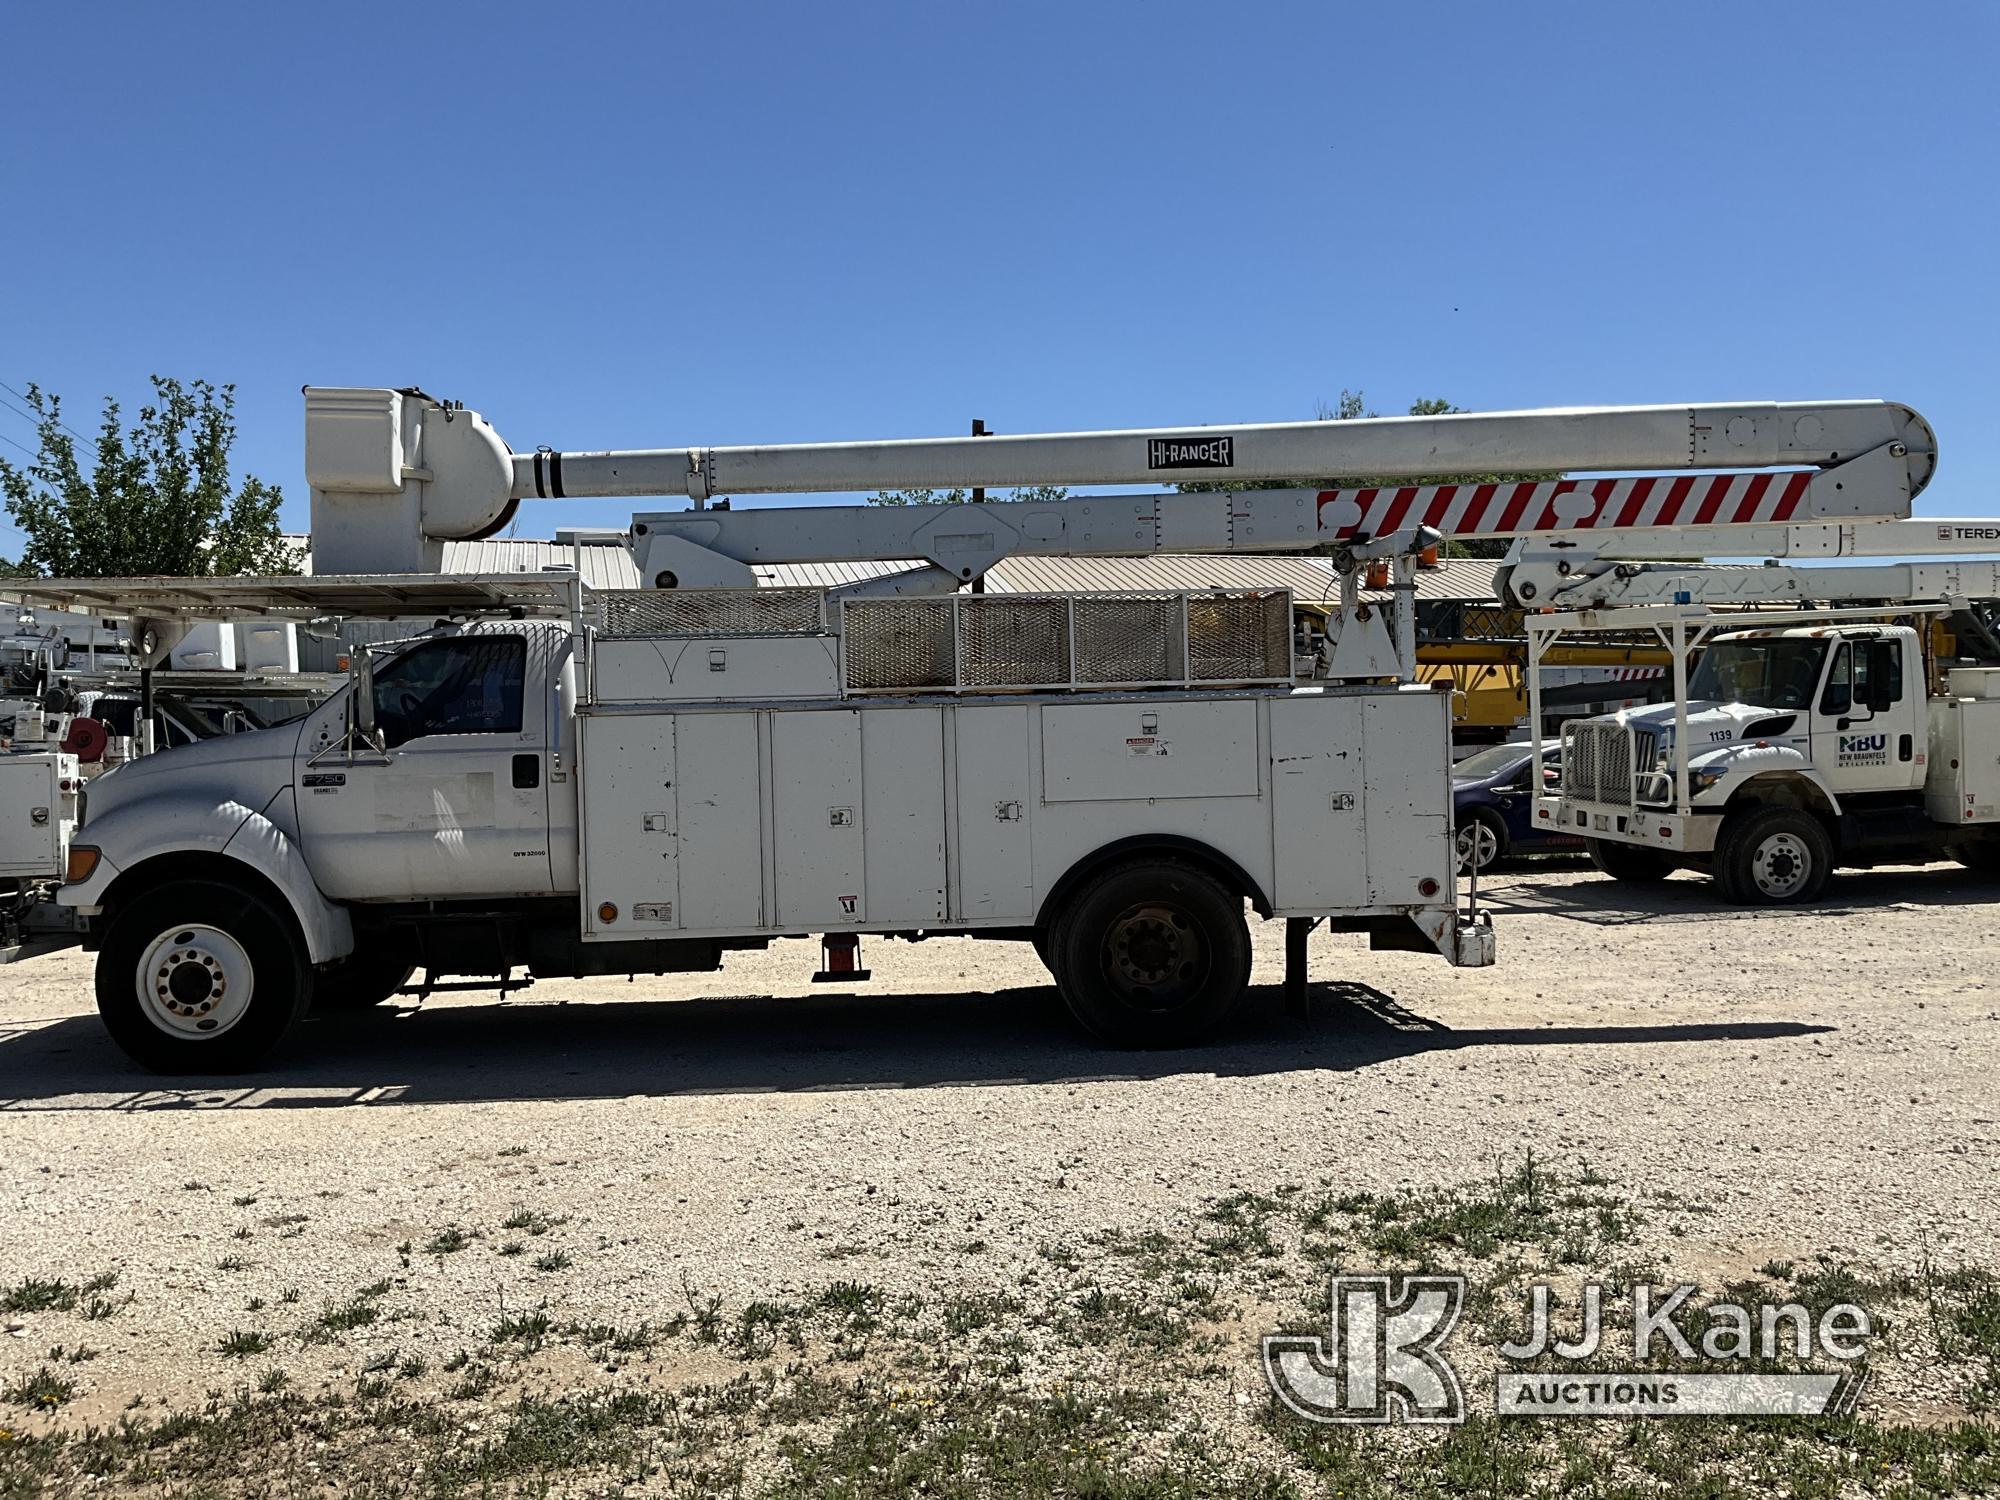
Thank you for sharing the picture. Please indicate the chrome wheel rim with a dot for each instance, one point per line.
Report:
(1478, 846)
(194, 981)
(1781, 866)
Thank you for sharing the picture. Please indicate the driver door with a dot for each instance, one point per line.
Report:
(1862, 737)
(455, 806)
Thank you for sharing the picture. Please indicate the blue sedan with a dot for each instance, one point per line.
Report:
(1493, 805)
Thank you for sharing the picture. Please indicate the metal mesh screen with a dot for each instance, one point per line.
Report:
(1006, 641)
(643, 612)
(1239, 637)
(1132, 638)
(1025, 640)
(899, 643)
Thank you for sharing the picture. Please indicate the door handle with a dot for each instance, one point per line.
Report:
(527, 772)
(1905, 747)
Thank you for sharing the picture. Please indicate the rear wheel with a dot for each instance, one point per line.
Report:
(1153, 953)
(1772, 856)
(1481, 841)
(201, 977)
(1628, 862)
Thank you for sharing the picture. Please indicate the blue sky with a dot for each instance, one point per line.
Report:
(628, 226)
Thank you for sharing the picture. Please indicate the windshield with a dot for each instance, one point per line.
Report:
(1490, 762)
(1775, 671)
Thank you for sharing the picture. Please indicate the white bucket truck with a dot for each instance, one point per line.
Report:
(582, 782)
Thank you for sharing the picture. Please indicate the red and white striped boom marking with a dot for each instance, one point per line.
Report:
(1650, 500)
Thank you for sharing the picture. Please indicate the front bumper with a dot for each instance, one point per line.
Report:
(1650, 828)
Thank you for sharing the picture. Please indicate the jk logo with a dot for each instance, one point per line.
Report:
(1382, 1361)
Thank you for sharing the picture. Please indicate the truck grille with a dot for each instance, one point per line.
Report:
(984, 643)
(1598, 762)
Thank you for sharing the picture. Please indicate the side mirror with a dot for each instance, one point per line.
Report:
(361, 701)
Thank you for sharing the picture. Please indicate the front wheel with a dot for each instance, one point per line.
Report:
(1773, 856)
(201, 977)
(1153, 953)
(1628, 862)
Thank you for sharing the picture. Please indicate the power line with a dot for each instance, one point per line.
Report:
(21, 412)
(62, 424)
(22, 446)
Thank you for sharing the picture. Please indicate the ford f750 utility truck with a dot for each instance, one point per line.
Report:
(638, 781)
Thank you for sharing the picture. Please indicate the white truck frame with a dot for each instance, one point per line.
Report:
(658, 775)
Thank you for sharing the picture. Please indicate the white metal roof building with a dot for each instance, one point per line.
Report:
(609, 565)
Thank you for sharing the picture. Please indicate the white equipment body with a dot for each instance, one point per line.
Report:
(651, 777)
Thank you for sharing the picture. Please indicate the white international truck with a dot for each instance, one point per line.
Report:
(1801, 740)
(572, 782)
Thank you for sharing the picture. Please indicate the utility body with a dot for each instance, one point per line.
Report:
(567, 781)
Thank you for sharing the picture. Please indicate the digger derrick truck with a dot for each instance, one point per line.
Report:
(1803, 739)
(574, 781)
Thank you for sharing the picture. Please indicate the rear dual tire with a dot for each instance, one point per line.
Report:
(1151, 953)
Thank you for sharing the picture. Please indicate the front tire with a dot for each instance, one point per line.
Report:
(1773, 856)
(1152, 953)
(1628, 862)
(201, 976)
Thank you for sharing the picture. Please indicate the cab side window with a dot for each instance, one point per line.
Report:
(1838, 698)
(1878, 674)
(469, 684)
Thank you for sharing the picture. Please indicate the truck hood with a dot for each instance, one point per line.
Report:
(1711, 724)
(248, 768)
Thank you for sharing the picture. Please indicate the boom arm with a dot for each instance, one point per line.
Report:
(395, 473)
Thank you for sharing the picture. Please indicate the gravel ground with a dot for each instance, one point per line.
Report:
(1824, 1080)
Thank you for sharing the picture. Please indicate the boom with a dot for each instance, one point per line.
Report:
(394, 474)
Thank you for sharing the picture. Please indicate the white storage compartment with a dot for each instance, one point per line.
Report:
(1962, 782)
(37, 814)
(1319, 837)
(1104, 752)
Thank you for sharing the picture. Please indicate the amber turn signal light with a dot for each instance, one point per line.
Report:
(82, 860)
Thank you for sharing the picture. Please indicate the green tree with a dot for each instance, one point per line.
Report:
(158, 497)
(1042, 492)
(1351, 405)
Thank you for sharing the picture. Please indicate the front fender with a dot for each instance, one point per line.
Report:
(153, 828)
(1749, 764)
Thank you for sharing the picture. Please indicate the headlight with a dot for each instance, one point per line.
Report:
(1701, 781)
